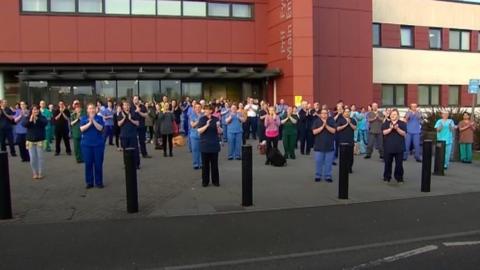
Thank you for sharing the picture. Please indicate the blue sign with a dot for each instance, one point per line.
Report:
(473, 86)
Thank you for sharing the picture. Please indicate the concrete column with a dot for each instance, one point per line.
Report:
(2, 86)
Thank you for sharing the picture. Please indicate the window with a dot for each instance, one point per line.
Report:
(192, 90)
(218, 10)
(34, 5)
(126, 89)
(90, 6)
(435, 36)
(117, 6)
(106, 90)
(241, 11)
(393, 95)
(453, 94)
(149, 90)
(169, 8)
(62, 5)
(429, 95)
(459, 40)
(171, 89)
(194, 9)
(143, 7)
(406, 36)
(376, 34)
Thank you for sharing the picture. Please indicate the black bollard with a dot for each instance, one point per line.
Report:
(426, 165)
(131, 180)
(346, 153)
(247, 176)
(438, 168)
(5, 199)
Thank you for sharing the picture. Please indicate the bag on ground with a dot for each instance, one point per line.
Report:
(276, 158)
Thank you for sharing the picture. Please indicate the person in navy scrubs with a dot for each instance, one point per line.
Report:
(142, 112)
(394, 132)
(128, 122)
(209, 129)
(93, 146)
(346, 127)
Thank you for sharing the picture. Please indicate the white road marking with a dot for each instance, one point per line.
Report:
(466, 243)
(396, 257)
(319, 252)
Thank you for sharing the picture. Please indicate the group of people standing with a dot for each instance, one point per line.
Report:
(207, 126)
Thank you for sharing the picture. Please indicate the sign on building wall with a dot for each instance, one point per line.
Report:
(286, 34)
(473, 86)
(298, 100)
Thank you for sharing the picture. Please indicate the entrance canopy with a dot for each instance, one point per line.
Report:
(145, 72)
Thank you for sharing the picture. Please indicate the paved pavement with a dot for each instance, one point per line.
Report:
(170, 187)
(399, 234)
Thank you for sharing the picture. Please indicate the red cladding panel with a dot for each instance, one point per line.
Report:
(422, 40)
(474, 41)
(445, 39)
(143, 35)
(169, 36)
(34, 34)
(412, 94)
(88, 28)
(466, 99)
(444, 95)
(118, 35)
(343, 51)
(390, 35)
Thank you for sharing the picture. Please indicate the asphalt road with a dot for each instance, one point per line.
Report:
(401, 234)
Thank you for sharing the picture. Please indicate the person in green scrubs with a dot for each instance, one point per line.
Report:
(76, 133)
(445, 128)
(289, 134)
(48, 128)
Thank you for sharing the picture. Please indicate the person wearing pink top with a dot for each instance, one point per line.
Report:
(272, 127)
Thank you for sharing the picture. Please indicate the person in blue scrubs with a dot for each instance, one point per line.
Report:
(93, 146)
(107, 114)
(224, 112)
(128, 122)
(194, 137)
(234, 121)
(445, 128)
(414, 128)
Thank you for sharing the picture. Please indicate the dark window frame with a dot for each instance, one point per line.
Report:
(460, 39)
(412, 35)
(395, 90)
(430, 86)
(441, 38)
(379, 34)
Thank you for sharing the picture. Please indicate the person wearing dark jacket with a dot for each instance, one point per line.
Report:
(6, 132)
(35, 124)
(394, 132)
(209, 129)
(346, 127)
(166, 120)
(60, 120)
